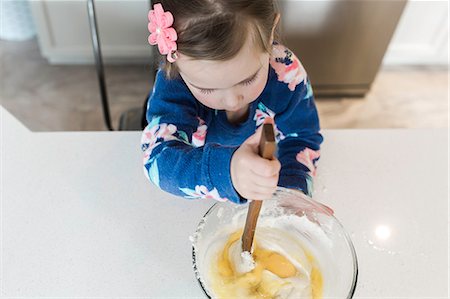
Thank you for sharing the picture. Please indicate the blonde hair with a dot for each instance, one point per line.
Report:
(217, 29)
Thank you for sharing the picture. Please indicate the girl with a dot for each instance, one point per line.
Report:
(223, 75)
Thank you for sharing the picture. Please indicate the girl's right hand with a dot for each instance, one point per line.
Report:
(254, 177)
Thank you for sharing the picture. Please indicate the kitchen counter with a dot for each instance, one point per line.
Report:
(79, 219)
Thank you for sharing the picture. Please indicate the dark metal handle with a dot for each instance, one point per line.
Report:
(99, 63)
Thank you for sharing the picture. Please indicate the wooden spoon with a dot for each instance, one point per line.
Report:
(267, 147)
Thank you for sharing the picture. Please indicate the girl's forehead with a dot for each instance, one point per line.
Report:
(210, 74)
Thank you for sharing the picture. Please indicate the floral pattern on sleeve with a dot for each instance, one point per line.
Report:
(261, 113)
(199, 137)
(201, 192)
(309, 157)
(154, 134)
(153, 172)
(287, 66)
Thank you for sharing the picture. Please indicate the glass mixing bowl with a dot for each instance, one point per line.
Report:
(323, 236)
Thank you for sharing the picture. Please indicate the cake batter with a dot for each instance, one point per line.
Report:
(282, 268)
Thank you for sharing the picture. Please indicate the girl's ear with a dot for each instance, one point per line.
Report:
(275, 23)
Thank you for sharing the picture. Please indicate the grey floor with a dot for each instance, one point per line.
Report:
(66, 98)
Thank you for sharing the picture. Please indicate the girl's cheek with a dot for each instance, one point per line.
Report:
(258, 88)
(208, 101)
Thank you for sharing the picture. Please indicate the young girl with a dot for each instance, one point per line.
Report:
(223, 75)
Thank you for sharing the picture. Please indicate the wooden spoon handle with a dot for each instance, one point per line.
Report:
(267, 147)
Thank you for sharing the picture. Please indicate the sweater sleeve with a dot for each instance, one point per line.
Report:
(175, 158)
(297, 123)
(299, 140)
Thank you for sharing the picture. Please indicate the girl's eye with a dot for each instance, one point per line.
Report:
(206, 91)
(250, 81)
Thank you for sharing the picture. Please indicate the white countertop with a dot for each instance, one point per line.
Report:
(80, 220)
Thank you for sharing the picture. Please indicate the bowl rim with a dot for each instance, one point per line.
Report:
(311, 201)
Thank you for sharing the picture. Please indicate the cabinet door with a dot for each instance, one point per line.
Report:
(340, 43)
(64, 34)
(422, 35)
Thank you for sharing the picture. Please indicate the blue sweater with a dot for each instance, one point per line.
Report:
(188, 147)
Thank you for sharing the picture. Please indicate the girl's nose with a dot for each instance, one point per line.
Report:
(234, 102)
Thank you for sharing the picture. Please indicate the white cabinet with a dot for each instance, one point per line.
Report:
(422, 35)
(64, 34)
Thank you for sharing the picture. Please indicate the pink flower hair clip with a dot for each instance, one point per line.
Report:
(161, 32)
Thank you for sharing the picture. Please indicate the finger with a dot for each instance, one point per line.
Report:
(260, 196)
(269, 120)
(327, 209)
(253, 140)
(253, 191)
(264, 167)
(263, 189)
(270, 182)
